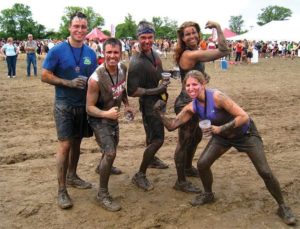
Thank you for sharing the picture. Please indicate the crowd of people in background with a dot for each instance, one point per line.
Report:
(241, 51)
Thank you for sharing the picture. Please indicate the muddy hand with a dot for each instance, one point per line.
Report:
(159, 105)
(78, 83)
(211, 24)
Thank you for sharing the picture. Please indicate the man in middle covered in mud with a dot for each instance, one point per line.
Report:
(144, 76)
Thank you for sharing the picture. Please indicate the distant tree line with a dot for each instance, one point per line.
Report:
(17, 22)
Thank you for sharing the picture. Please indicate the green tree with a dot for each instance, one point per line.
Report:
(126, 29)
(273, 13)
(236, 23)
(165, 28)
(94, 19)
(17, 22)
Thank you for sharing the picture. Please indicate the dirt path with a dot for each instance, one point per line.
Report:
(269, 92)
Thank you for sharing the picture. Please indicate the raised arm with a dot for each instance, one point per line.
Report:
(190, 57)
(173, 123)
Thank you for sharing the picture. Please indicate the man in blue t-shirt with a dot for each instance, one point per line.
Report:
(67, 66)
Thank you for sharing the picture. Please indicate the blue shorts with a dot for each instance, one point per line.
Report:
(71, 122)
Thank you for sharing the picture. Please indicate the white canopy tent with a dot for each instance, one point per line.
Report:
(287, 30)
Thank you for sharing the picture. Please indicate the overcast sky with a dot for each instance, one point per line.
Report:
(49, 13)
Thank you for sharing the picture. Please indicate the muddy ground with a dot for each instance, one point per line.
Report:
(268, 91)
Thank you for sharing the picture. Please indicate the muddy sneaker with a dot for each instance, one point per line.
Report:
(286, 214)
(140, 180)
(77, 182)
(107, 202)
(156, 163)
(191, 172)
(63, 199)
(114, 170)
(203, 198)
(186, 186)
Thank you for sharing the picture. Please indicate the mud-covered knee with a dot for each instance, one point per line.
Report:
(202, 165)
(110, 156)
(266, 174)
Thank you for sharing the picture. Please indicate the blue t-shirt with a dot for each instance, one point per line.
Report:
(62, 61)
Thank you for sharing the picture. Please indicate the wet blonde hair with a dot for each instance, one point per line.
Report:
(199, 76)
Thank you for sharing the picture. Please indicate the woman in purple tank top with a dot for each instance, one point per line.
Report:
(230, 127)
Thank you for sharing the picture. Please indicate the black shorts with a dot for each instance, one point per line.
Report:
(106, 134)
(71, 122)
(154, 128)
(249, 142)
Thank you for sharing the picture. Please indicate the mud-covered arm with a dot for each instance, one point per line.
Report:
(222, 44)
(173, 123)
(190, 57)
(240, 116)
(91, 101)
(50, 78)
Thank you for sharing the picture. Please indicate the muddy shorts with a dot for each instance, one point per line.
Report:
(154, 128)
(249, 142)
(71, 122)
(106, 133)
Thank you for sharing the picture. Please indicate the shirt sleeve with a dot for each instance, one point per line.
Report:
(50, 61)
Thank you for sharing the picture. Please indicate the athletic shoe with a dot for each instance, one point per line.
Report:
(107, 202)
(63, 199)
(286, 214)
(114, 170)
(186, 186)
(140, 180)
(191, 172)
(77, 182)
(203, 198)
(156, 163)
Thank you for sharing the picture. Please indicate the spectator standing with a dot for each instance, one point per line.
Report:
(30, 48)
(10, 52)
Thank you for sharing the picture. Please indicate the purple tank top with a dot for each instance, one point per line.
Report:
(217, 116)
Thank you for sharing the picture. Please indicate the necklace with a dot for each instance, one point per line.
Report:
(205, 104)
(77, 62)
(153, 62)
(111, 79)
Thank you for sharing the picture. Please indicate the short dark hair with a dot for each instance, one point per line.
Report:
(113, 42)
(77, 14)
